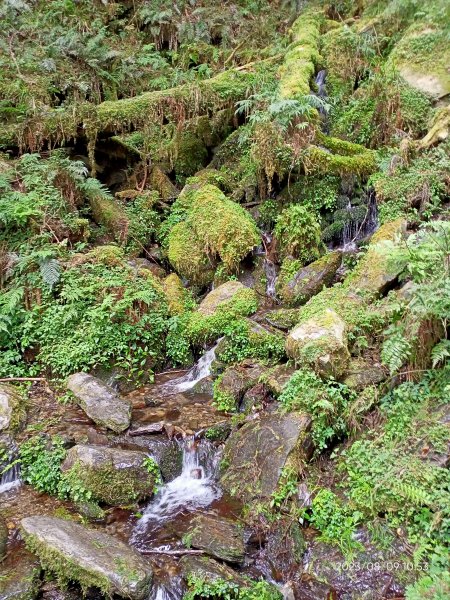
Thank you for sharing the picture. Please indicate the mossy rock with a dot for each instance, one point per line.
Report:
(111, 214)
(231, 385)
(362, 373)
(114, 476)
(226, 294)
(186, 254)
(160, 182)
(20, 578)
(283, 318)
(310, 280)
(190, 154)
(92, 558)
(277, 377)
(175, 294)
(322, 344)
(209, 570)
(12, 408)
(218, 537)
(255, 455)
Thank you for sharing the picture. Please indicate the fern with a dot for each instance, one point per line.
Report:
(396, 349)
(50, 271)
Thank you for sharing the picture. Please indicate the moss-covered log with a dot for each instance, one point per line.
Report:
(109, 213)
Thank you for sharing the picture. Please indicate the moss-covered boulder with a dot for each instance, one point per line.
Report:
(376, 272)
(283, 318)
(175, 294)
(320, 343)
(227, 293)
(277, 377)
(231, 385)
(111, 475)
(363, 373)
(92, 558)
(209, 570)
(100, 402)
(310, 280)
(255, 455)
(187, 256)
(12, 407)
(159, 181)
(218, 537)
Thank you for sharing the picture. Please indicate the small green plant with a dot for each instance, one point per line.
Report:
(198, 587)
(153, 469)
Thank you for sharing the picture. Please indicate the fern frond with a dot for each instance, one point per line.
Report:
(50, 271)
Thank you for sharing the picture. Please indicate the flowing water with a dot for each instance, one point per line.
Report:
(194, 489)
(358, 229)
(198, 372)
(10, 469)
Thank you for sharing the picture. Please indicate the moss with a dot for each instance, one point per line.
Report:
(298, 234)
(109, 213)
(161, 183)
(302, 57)
(186, 254)
(17, 402)
(175, 294)
(64, 569)
(189, 154)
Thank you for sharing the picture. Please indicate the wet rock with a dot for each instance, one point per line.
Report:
(204, 386)
(146, 265)
(362, 373)
(221, 294)
(236, 380)
(100, 402)
(218, 537)
(255, 455)
(285, 547)
(3, 537)
(218, 432)
(369, 576)
(375, 274)
(209, 570)
(11, 407)
(320, 343)
(148, 429)
(19, 578)
(309, 588)
(310, 280)
(167, 453)
(113, 476)
(91, 511)
(92, 558)
(283, 318)
(277, 378)
(255, 398)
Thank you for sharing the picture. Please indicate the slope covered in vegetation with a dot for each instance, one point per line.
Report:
(270, 179)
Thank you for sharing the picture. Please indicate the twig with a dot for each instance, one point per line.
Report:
(172, 552)
(23, 379)
(250, 64)
(233, 53)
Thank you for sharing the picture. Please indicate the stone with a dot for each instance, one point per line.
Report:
(255, 455)
(310, 280)
(220, 538)
(255, 398)
(20, 577)
(142, 264)
(3, 537)
(283, 318)
(220, 295)
(100, 402)
(10, 407)
(92, 558)
(147, 429)
(209, 570)
(167, 453)
(320, 343)
(361, 374)
(112, 475)
(277, 378)
(236, 380)
(286, 547)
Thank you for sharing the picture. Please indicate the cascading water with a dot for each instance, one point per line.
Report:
(270, 269)
(194, 489)
(356, 229)
(9, 469)
(198, 372)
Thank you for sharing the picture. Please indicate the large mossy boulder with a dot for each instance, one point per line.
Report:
(100, 402)
(225, 294)
(186, 254)
(220, 538)
(320, 343)
(283, 318)
(255, 455)
(310, 280)
(11, 407)
(175, 294)
(112, 475)
(92, 558)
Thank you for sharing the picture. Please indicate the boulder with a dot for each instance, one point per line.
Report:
(362, 373)
(283, 318)
(175, 294)
(255, 455)
(255, 398)
(277, 378)
(321, 343)
(220, 295)
(92, 558)
(218, 537)
(11, 412)
(167, 453)
(310, 280)
(236, 380)
(209, 570)
(285, 547)
(100, 402)
(112, 476)
(142, 264)
(20, 576)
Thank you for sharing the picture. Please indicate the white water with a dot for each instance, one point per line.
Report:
(10, 472)
(186, 492)
(271, 277)
(198, 372)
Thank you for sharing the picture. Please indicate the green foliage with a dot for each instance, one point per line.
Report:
(152, 468)
(324, 401)
(229, 590)
(287, 488)
(298, 234)
(335, 520)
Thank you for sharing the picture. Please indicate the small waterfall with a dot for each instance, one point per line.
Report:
(198, 372)
(270, 270)
(355, 228)
(195, 488)
(9, 469)
(174, 591)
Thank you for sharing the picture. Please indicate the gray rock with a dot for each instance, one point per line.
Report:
(100, 402)
(113, 476)
(361, 374)
(236, 380)
(19, 578)
(310, 280)
(277, 378)
(94, 559)
(320, 343)
(218, 537)
(209, 570)
(10, 400)
(254, 456)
